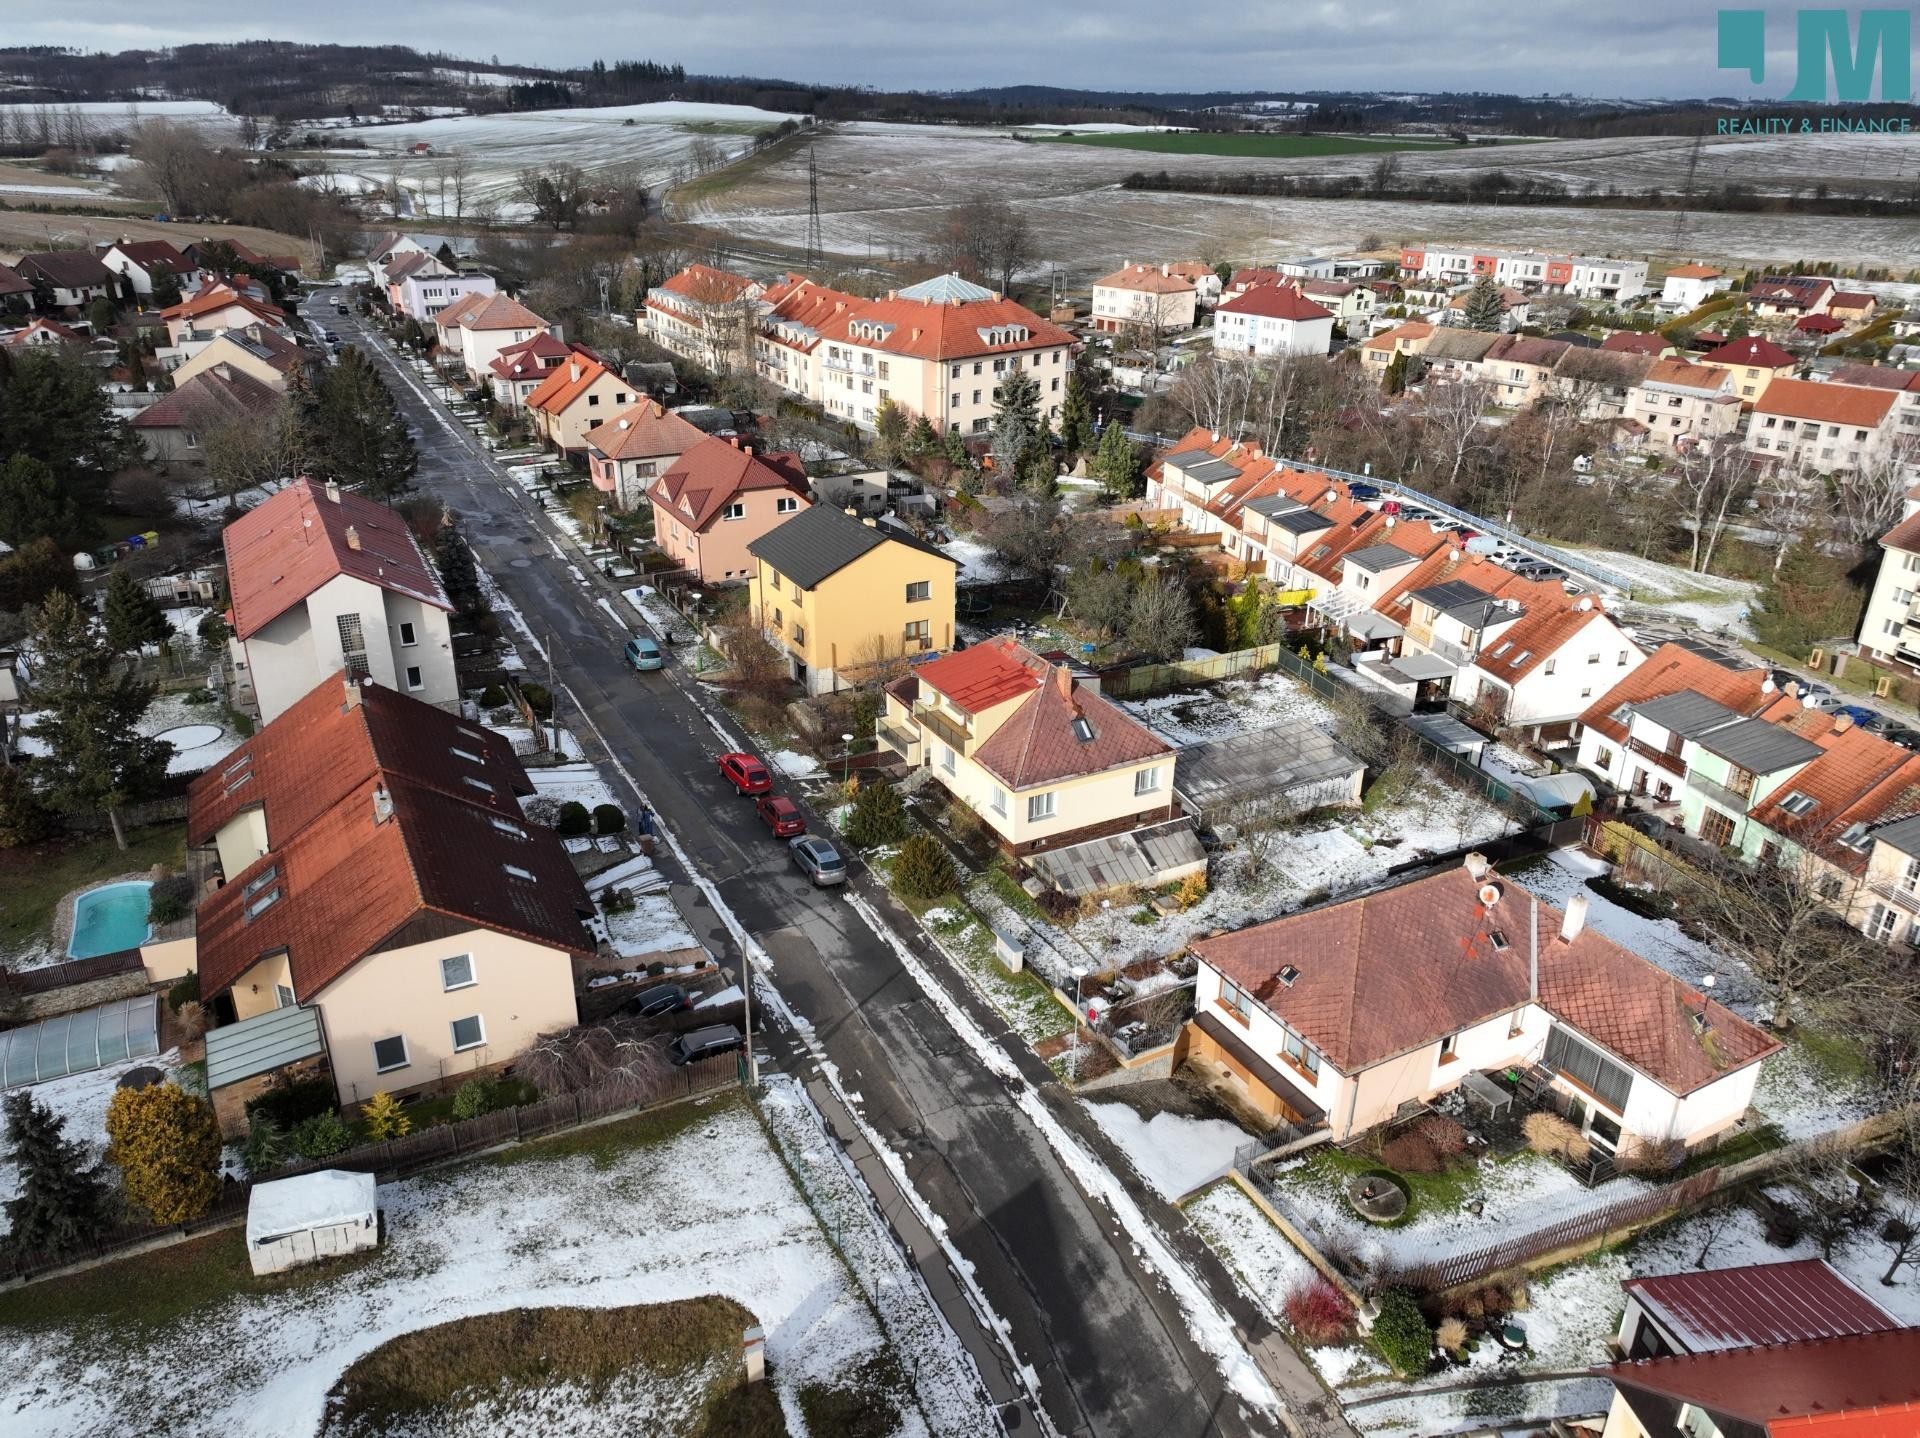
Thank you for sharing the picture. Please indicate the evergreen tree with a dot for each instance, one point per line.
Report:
(458, 573)
(101, 317)
(1116, 464)
(1018, 400)
(133, 617)
(360, 439)
(1806, 600)
(890, 425)
(90, 708)
(44, 300)
(63, 1200)
(166, 290)
(23, 814)
(34, 571)
(1076, 415)
(33, 505)
(1395, 379)
(53, 409)
(922, 439)
(1483, 310)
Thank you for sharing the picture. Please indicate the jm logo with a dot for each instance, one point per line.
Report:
(1885, 35)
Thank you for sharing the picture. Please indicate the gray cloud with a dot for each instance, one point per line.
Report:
(1633, 48)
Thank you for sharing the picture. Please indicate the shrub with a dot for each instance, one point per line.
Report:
(475, 1097)
(266, 1148)
(385, 1118)
(1192, 890)
(1494, 1302)
(1401, 1333)
(538, 699)
(322, 1136)
(1552, 1135)
(191, 1022)
(923, 869)
(1655, 1158)
(492, 697)
(573, 821)
(24, 815)
(1451, 1335)
(609, 819)
(187, 991)
(166, 1144)
(1320, 1313)
(878, 817)
(291, 1100)
(170, 899)
(1446, 1137)
(1411, 1152)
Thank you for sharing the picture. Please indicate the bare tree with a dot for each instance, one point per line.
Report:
(1823, 1171)
(1712, 476)
(1160, 620)
(1899, 1195)
(1792, 503)
(1453, 413)
(264, 451)
(1869, 501)
(988, 239)
(459, 176)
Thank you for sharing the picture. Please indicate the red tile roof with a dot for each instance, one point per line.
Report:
(1685, 373)
(976, 679)
(1538, 637)
(709, 475)
(642, 432)
(353, 878)
(1877, 376)
(1859, 779)
(566, 382)
(41, 325)
(1633, 343)
(705, 284)
(1828, 403)
(500, 312)
(1819, 324)
(1863, 1385)
(531, 358)
(1280, 302)
(451, 313)
(1851, 300)
(933, 330)
(1668, 670)
(156, 257)
(1759, 1303)
(1752, 352)
(219, 394)
(1392, 972)
(11, 283)
(798, 304)
(1146, 279)
(219, 297)
(1063, 730)
(286, 547)
(1904, 536)
(1693, 272)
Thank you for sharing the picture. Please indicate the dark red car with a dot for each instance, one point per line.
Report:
(781, 815)
(746, 773)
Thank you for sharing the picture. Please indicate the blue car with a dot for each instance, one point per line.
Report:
(1858, 713)
(644, 654)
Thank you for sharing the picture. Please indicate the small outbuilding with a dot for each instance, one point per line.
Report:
(292, 1221)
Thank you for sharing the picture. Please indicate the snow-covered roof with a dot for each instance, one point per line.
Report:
(312, 1200)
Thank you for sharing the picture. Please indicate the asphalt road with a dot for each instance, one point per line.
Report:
(1109, 1348)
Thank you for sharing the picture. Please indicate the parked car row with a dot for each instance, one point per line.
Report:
(813, 856)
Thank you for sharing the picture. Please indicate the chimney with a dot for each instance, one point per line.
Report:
(574, 366)
(333, 491)
(747, 450)
(1576, 919)
(1842, 723)
(382, 804)
(1063, 680)
(353, 691)
(1477, 866)
(353, 538)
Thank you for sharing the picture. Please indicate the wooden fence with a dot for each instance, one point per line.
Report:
(396, 1158)
(1141, 680)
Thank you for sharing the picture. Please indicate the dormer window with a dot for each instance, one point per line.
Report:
(1856, 837)
(519, 873)
(469, 756)
(1082, 729)
(1797, 803)
(507, 826)
(473, 783)
(260, 880)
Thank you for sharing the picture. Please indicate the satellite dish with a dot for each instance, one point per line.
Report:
(1489, 894)
(1709, 981)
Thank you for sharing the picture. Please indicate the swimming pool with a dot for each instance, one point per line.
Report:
(109, 919)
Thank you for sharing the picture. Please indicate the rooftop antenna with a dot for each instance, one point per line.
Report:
(813, 209)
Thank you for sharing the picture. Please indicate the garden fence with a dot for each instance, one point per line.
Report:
(397, 1158)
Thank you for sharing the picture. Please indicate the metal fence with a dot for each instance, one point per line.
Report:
(1142, 680)
(396, 1158)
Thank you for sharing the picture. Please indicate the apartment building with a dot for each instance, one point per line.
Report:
(1822, 428)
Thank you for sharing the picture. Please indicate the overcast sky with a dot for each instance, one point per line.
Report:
(1629, 48)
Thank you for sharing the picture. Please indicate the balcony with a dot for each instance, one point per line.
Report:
(1668, 759)
(1719, 795)
(1898, 895)
(903, 742)
(942, 728)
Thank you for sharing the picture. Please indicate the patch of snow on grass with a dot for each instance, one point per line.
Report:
(1175, 1154)
(793, 765)
(651, 926)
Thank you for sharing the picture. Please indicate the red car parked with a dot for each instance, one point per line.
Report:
(781, 815)
(746, 773)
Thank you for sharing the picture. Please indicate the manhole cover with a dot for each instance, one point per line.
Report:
(521, 563)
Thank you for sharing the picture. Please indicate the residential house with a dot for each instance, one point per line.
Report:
(425, 290)
(1802, 1300)
(1640, 749)
(1852, 307)
(787, 348)
(1144, 299)
(323, 582)
(1638, 342)
(16, 292)
(1521, 368)
(1307, 267)
(577, 397)
(213, 309)
(1043, 759)
(256, 350)
(519, 369)
(485, 325)
(1885, 903)
(75, 278)
(1732, 770)
(42, 333)
(1861, 1385)
(1340, 1015)
(1790, 297)
(1755, 363)
(1454, 355)
(1583, 276)
(1351, 303)
(716, 499)
(175, 428)
(1890, 627)
(388, 248)
(634, 448)
(1242, 280)
(1684, 404)
(1598, 384)
(839, 596)
(211, 254)
(1204, 278)
(1687, 287)
(1409, 338)
(1513, 308)
(1542, 674)
(140, 262)
(1822, 428)
(704, 315)
(376, 871)
(1272, 320)
(1904, 384)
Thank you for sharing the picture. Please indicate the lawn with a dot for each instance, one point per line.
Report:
(1022, 999)
(1248, 146)
(35, 879)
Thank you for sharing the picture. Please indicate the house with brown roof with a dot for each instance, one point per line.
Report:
(374, 868)
(1852, 306)
(141, 262)
(520, 369)
(483, 324)
(1520, 368)
(638, 445)
(1637, 342)
(578, 396)
(1041, 757)
(1687, 287)
(16, 293)
(1822, 428)
(703, 314)
(76, 278)
(1890, 627)
(324, 582)
(1541, 674)
(1789, 297)
(1683, 404)
(174, 429)
(1639, 748)
(1755, 362)
(719, 496)
(1802, 1300)
(1337, 1016)
(1857, 1385)
(212, 310)
(1150, 299)
(257, 350)
(1272, 320)
(1410, 337)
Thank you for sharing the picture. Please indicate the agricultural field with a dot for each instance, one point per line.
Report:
(1246, 145)
(77, 124)
(884, 190)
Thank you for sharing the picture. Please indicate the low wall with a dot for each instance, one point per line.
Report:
(1153, 1064)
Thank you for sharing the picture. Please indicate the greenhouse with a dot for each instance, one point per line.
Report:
(74, 1043)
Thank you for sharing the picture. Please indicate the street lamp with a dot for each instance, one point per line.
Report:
(846, 759)
(1073, 1054)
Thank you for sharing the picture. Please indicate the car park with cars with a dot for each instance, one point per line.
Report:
(818, 860)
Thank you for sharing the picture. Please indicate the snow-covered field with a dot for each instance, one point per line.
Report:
(201, 734)
(711, 1210)
(1709, 600)
(1175, 1154)
(92, 119)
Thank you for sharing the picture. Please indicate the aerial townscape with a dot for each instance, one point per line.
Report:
(995, 740)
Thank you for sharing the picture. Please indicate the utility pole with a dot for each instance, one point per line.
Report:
(813, 210)
(553, 697)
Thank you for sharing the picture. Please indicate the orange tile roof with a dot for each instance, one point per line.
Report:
(1145, 279)
(1538, 637)
(1693, 272)
(707, 285)
(286, 547)
(219, 297)
(1683, 372)
(1669, 670)
(706, 477)
(353, 878)
(566, 382)
(529, 359)
(1280, 302)
(451, 313)
(1859, 779)
(930, 330)
(642, 432)
(500, 312)
(1041, 741)
(980, 677)
(1904, 536)
(1411, 330)
(1827, 403)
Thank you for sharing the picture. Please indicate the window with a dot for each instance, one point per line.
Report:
(976, 393)
(1235, 998)
(946, 759)
(468, 1033)
(260, 905)
(736, 510)
(407, 637)
(473, 783)
(773, 581)
(1603, 757)
(1550, 665)
(786, 504)
(390, 1054)
(1000, 801)
(1716, 828)
(1881, 922)
(1910, 876)
(1588, 1067)
(1147, 781)
(919, 592)
(1299, 1052)
(456, 972)
(283, 996)
(353, 644)
(919, 635)
(1040, 806)
(1449, 1048)
(799, 634)
(1697, 1422)
(414, 681)
(592, 400)
(260, 880)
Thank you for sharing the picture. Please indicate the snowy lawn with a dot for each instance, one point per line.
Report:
(201, 734)
(979, 563)
(1174, 1153)
(1023, 999)
(578, 781)
(676, 1204)
(651, 926)
(659, 615)
(1668, 590)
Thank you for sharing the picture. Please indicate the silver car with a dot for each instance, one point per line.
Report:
(818, 859)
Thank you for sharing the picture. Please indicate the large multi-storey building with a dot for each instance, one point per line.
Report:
(1585, 276)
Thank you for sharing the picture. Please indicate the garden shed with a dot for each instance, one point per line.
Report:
(291, 1221)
